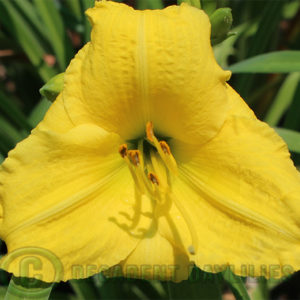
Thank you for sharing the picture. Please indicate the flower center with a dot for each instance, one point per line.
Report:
(150, 164)
(152, 167)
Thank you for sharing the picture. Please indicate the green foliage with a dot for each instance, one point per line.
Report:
(149, 4)
(274, 62)
(292, 138)
(283, 99)
(38, 38)
(236, 284)
(23, 288)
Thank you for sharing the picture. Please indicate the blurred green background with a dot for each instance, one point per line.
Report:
(38, 38)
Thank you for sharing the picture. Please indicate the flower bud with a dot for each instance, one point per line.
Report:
(53, 87)
(221, 21)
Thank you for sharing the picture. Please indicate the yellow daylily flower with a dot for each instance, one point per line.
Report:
(149, 162)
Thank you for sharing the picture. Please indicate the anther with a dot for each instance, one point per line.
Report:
(153, 178)
(123, 150)
(149, 131)
(165, 147)
(134, 156)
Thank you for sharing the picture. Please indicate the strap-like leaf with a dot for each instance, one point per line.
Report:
(26, 289)
(236, 285)
(291, 137)
(273, 62)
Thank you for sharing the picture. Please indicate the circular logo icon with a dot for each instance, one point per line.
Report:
(32, 265)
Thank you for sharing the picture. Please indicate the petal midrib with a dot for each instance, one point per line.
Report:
(142, 68)
(71, 202)
(233, 208)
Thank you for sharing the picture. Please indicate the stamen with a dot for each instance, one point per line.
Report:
(134, 156)
(159, 168)
(136, 159)
(162, 148)
(158, 192)
(153, 178)
(123, 150)
(149, 131)
(165, 147)
(141, 149)
(192, 249)
(131, 157)
(156, 184)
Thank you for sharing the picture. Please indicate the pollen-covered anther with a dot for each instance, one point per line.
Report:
(153, 178)
(149, 131)
(165, 147)
(135, 157)
(123, 149)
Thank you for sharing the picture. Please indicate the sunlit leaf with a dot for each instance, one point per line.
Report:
(54, 23)
(12, 111)
(236, 285)
(149, 4)
(291, 137)
(283, 99)
(273, 62)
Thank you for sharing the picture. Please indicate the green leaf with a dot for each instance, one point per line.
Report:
(223, 50)
(291, 137)
(85, 4)
(75, 8)
(57, 35)
(6, 143)
(149, 4)
(273, 62)
(22, 32)
(11, 131)
(290, 9)
(25, 289)
(265, 38)
(84, 289)
(261, 292)
(200, 286)
(28, 10)
(292, 120)
(53, 87)
(11, 110)
(236, 285)
(283, 99)
(39, 112)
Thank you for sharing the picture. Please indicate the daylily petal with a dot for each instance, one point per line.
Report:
(237, 106)
(67, 190)
(241, 194)
(137, 72)
(155, 258)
